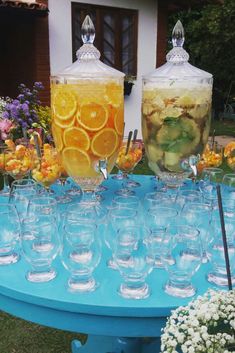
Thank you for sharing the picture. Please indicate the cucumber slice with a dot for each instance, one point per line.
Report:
(172, 161)
(182, 136)
(153, 152)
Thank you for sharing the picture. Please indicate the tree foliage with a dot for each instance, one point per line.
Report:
(210, 41)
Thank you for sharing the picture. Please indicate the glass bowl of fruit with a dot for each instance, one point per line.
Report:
(129, 156)
(18, 160)
(47, 166)
(229, 154)
(211, 157)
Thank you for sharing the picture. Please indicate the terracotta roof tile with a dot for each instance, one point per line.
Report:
(28, 5)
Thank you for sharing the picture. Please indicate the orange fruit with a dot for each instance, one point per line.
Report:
(92, 116)
(229, 148)
(64, 104)
(104, 143)
(75, 161)
(119, 121)
(64, 123)
(114, 94)
(76, 137)
(10, 144)
(57, 134)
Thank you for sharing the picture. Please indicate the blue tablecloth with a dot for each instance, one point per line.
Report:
(102, 311)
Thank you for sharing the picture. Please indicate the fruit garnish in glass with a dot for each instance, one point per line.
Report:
(127, 160)
(47, 166)
(18, 160)
(211, 157)
(229, 154)
(87, 115)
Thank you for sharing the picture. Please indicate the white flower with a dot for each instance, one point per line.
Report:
(206, 325)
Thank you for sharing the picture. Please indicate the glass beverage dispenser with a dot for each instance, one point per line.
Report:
(87, 114)
(176, 114)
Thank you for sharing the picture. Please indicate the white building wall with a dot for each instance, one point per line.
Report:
(60, 33)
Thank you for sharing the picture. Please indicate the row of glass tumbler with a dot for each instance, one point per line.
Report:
(135, 247)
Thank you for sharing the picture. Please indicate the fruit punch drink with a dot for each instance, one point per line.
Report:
(175, 125)
(87, 127)
(87, 114)
(176, 114)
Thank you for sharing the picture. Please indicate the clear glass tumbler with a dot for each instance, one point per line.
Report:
(199, 215)
(131, 255)
(40, 245)
(9, 235)
(81, 254)
(181, 254)
(21, 192)
(42, 207)
(118, 218)
(158, 218)
(218, 272)
(210, 177)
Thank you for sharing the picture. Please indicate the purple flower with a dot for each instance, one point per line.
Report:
(15, 102)
(20, 96)
(25, 108)
(38, 85)
(5, 115)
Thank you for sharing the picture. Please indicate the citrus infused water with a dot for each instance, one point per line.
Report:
(87, 127)
(175, 125)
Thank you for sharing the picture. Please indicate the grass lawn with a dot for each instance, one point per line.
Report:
(225, 127)
(19, 336)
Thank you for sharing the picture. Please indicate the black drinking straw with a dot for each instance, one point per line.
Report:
(221, 213)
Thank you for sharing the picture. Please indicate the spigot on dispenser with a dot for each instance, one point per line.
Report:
(102, 168)
(191, 164)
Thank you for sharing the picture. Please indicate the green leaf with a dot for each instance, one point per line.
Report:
(169, 120)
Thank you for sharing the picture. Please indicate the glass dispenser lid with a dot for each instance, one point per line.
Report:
(88, 62)
(177, 65)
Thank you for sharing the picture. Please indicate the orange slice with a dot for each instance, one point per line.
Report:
(64, 104)
(92, 116)
(75, 161)
(64, 123)
(104, 143)
(76, 137)
(119, 121)
(114, 94)
(57, 134)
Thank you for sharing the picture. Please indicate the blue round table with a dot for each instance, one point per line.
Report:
(114, 324)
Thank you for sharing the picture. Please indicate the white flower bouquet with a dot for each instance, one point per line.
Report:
(205, 325)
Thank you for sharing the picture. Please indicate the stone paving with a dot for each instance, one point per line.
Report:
(223, 139)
